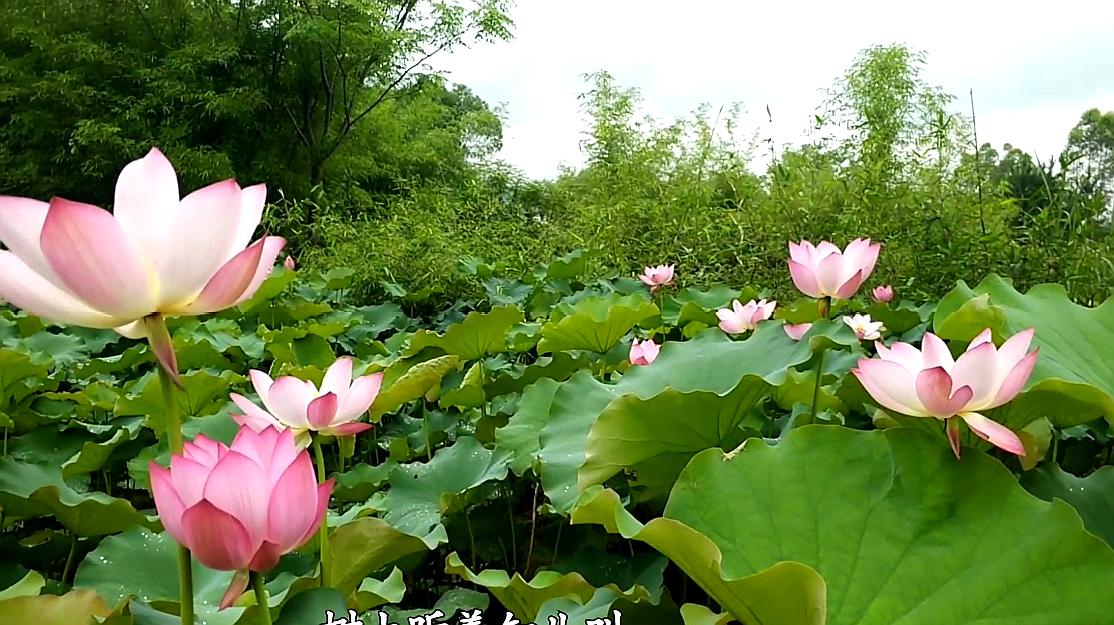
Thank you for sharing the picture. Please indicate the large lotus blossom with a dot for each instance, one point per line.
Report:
(929, 383)
(156, 254)
(865, 328)
(299, 405)
(825, 271)
(883, 294)
(655, 277)
(797, 331)
(240, 508)
(643, 352)
(740, 318)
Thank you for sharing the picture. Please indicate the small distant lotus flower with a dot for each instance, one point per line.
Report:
(289, 263)
(864, 327)
(643, 352)
(655, 277)
(825, 271)
(797, 331)
(240, 508)
(740, 318)
(927, 382)
(883, 294)
(299, 405)
(158, 254)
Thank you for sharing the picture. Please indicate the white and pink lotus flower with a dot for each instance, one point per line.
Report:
(157, 254)
(643, 352)
(928, 382)
(744, 318)
(825, 271)
(296, 404)
(656, 277)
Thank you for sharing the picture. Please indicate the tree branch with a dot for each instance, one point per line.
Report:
(297, 128)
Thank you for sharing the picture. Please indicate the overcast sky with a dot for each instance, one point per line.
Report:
(1034, 66)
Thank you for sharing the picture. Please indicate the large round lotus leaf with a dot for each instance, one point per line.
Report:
(140, 564)
(77, 607)
(787, 593)
(413, 384)
(595, 323)
(32, 490)
(477, 335)
(899, 529)
(1073, 380)
(1091, 496)
(594, 430)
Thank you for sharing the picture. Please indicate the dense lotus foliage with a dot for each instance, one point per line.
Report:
(565, 445)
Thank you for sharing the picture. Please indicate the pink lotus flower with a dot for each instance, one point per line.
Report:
(865, 328)
(797, 331)
(289, 263)
(301, 406)
(883, 294)
(824, 271)
(929, 383)
(655, 277)
(157, 253)
(739, 318)
(643, 352)
(240, 508)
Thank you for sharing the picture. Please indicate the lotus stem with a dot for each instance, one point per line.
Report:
(261, 597)
(816, 388)
(174, 441)
(824, 307)
(185, 585)
(323, 532)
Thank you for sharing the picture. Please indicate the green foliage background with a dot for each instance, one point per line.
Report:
(377, 163)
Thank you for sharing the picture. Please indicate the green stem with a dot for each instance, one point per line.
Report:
(425, 433)
(471, 537)
(173, 419)
(816, 388)
(824, 307)
(174, 441)
(323, 533)
(185, 584)
(261, 597)
(70, 559)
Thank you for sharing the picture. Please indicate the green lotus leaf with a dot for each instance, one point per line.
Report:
(77, 607)
(204, 394)
(374, 592)
(28, 586)
(32, 490)
(525, 599)
(366, 545)
(451, 602)
(595, 323)
(478, 335)
(900, 530)
(521, 435)
(1091, 496)
(359, 482)
(694, 614)
(584, 432)
(413, 384)
(144, 565)
(309, 606)
(421, 493)
(785, 593)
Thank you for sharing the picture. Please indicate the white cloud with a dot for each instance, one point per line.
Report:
(1035, 67)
